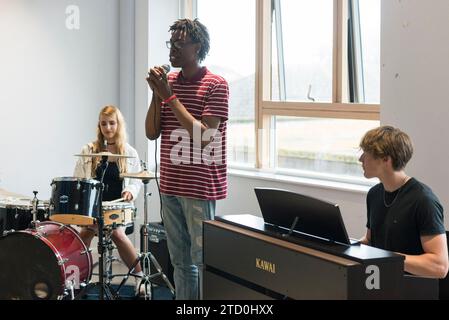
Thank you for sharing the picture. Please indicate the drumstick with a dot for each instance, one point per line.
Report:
(117, 200)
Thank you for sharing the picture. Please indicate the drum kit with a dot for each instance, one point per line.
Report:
(61, 264)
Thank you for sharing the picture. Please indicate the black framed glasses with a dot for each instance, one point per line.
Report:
(177, 44)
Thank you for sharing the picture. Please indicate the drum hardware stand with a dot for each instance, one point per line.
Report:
(70, 289)
(105, 290)
(110, 258)
(145, 256)
(34, 206)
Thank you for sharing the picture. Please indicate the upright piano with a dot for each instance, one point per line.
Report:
(245, 259)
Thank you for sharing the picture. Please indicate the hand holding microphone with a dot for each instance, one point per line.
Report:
(157, 80)
(159, 73)
(165, 70)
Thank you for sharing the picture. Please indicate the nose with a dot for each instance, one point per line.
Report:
(361, 157)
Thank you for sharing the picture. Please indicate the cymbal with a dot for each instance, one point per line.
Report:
(103, 154)
(143, 175)
(5, 194)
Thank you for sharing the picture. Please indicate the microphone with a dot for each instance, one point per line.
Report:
(166, 68)
(104, 159)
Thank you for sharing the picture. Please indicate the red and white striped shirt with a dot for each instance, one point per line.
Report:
(186, 170)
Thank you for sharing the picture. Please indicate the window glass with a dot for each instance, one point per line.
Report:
(370, 31)
(320, 145)
(232, 56)
(307, 34)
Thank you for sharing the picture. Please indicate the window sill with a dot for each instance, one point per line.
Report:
(355, 187)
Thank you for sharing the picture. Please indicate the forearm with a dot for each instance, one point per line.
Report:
(187, 121)
(425, 265)
(133, 187)
(153, 119)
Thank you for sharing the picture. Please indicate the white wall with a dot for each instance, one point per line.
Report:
(53, 83)
(127, 18)
(415, 84)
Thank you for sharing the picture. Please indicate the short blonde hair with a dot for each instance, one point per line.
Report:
(387, 141)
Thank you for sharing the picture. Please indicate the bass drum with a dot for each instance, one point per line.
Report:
(43, 263)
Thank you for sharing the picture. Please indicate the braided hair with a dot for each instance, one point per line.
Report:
(196, 31)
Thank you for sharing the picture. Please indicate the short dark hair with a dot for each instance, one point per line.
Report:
(387, 141)
(196, 31)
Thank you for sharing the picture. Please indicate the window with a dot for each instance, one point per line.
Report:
(322, 145)
(231, 55)
(370, 32)
(314, 90)
(302, 50)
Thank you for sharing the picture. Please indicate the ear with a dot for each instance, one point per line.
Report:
(197, 48)
(388, 161)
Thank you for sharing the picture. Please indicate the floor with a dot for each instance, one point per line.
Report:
(119, 271)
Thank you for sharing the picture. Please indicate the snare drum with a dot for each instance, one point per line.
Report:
(74, 201)
(120, 213)
(43, 263)
(16, 214)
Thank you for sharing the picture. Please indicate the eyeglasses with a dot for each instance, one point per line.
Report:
(177, 44)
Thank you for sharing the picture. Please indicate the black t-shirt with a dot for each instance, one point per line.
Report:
(112, 182)
(398, 219)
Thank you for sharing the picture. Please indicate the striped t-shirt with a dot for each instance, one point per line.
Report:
(186, 170)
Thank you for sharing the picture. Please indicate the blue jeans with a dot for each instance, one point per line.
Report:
(183, 221)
